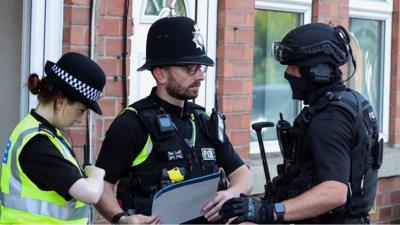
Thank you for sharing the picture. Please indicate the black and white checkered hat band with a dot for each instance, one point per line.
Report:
(83, 88)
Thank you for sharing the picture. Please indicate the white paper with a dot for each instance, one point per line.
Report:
(183, 201)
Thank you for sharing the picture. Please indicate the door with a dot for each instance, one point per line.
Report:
(145, 12)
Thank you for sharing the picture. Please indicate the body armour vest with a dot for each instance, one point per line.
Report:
(22, 202)
(365, 158)
(168, 150)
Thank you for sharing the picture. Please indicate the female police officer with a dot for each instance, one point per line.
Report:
(41, 181)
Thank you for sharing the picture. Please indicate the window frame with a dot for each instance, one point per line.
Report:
(296, 6)
(382, 11)
(42, 41)
(151, 19)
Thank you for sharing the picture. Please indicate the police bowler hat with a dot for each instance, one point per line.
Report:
(175, 41)
(79, 77)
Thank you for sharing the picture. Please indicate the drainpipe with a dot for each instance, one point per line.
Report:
(90, 119)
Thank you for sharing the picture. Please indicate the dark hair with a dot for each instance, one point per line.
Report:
(45, 88)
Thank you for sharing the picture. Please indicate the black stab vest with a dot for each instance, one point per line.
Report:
(170, 150)
(366, 158)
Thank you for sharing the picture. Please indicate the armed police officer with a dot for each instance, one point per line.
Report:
(331, 174)
(165, 131)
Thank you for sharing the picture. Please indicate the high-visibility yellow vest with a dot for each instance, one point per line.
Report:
(21, 200)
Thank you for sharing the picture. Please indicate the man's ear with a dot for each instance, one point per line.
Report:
(160, 75)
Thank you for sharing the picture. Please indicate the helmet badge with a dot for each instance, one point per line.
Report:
(198, 38)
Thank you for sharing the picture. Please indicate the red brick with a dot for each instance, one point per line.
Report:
(230, 86)
(236, 103)
(388, 184)
(107, 123)
(110, 26)
(243, 35)
(102, 4)
(385, 213)
(245, 5)
(67, 15)
(78, 2)
(395, 197)
(80, 49)
(109, 65)
(115, 7)
(108, 107)
(243, 152)
(237, 121)
(241, 138)
(233, 52)
(99, 128)
(114, 47)
(78, 136)
(226, 4)
(113, 88)
(226, 35)
(75, 36)
(236, 19)
(80, 16)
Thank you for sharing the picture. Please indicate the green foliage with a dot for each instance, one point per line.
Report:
(270, 26)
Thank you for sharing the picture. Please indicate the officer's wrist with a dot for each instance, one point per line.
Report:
(117, 217)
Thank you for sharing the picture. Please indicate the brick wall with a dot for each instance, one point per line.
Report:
(76, 39)
(108, 39)
(387, 201)
(235, 29)
(394, 120)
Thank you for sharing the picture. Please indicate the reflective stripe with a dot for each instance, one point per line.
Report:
(148, 147)
(67, 212)
(193, 133)
(15, 180)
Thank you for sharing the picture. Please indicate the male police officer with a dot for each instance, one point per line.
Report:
(332, 175)
(165, 131)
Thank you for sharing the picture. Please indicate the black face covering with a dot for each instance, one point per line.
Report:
(297, 85)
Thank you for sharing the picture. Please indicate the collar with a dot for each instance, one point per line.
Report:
(333, 87)
(170, 108)
(43, 121)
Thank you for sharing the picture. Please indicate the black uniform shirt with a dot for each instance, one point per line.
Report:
(328, 142)
(44, 164)
(127, 135)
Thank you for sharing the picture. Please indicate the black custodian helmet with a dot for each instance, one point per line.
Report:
(313, 44)
(174, 41)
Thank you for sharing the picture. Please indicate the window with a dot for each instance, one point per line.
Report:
(368, 35)
(154, 9)
(370, 25)
(271, 92)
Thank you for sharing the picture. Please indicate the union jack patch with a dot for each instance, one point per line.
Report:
(175, 155)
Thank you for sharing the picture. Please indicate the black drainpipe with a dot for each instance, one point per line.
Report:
(124, 54)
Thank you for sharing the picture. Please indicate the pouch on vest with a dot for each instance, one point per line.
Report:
(377, 152)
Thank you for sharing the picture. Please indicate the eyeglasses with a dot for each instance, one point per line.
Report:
(191, 69)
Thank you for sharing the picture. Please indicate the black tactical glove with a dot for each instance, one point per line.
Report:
(247, 209)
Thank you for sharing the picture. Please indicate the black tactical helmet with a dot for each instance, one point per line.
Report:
(313, 44)
(174, 41)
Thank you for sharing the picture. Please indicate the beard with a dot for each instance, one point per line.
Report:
(176, 90)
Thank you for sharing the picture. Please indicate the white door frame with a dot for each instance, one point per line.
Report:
(41, 40)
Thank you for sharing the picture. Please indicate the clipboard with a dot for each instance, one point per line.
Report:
(183, 201)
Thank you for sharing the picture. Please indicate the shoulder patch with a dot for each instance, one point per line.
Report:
(5, 155)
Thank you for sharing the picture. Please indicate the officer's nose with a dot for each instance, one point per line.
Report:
(200, 75)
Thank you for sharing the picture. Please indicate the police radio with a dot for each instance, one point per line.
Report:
(217, 124)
